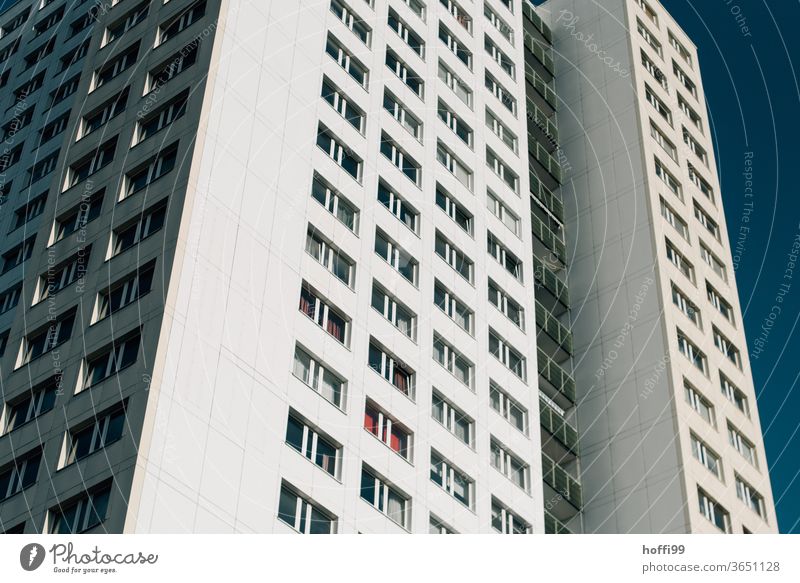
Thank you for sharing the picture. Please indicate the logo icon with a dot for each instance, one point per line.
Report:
(31, 556)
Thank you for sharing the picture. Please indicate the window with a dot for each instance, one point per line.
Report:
(39, 53)
(102, 431)
(417, 7)
(509, 465)
(662, 141)
(65, 89)
(352, 21)
(385, 497)
(22, 93)
(398, 111)
(499, 129)
(693, 116)
(172, 67)
(452, 419)
(651, 14)
(452, 360)
(400, 159)
(339, 153)
(311, 444)
(20, 120)
(29, 211)
(649, 37)
(508, 408)
(14, 23)
(705, 219)
(456, 483)
(686, 306)
(659, 106)
(499, 56)
(84, 513)
(330, 256)
(679, 261)
(502, 212)
(390, 368)
(123, 238)
(401, 261)
(712, 510)
(118, 28)
(673, 219)
(682, 51)
(100, 116)
(48, 21)
(455, 309)
(504, 257)
(388, 430)
(453, 165)
(498, 23)
(78, 217)
(701, 183)
(405, 32)
(695, 147)
(684, 79)
(21, 473)
(318, 377)
(343, 106)
(699, 403)
(458, 13)
(37, 401)
(115, 66)
(181, 22)
(743, 445)
(713, 262)
(42, 168)
(18, 254)
(509, 308)
(10, 157)
(153, 169)
(394, 311)
(436, 526)
(324, 315)
(10, 298)
(335, 203)
(494, 87)
(502, 170)
(507, 355)
(88, 165)
(62, 275)
(454, 82)
(719, 303)
(654, 71)
(303, 515)
(706, 456)
(111, 360)
(457, 125)
(163, 117)
(693, 353)
(454, 257)
(454, 210)
(734, 394)
(405, 73)
(727, 348)
(124, 292)
(455, 46)
(74, 55)
(506, 522)
(752, 499)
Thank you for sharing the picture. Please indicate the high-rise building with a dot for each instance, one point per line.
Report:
(304, 266)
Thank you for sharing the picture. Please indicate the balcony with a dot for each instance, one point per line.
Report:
(542, 87)
(557, 340)
(562, 442)
(547, 129)
(554, 292)
(560, 385)
(544, 56)
(563, 493)
(547, 161)
(547, 240)
(531, 16)
(546, 197)
(553, 525)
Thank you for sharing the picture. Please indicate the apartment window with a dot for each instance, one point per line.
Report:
(352, 21)
(752, 499)
(498, 23)
(502, 170)
(679, 261)
(455, 46)
(436, 526)
(684, 79)
(388, 430)
(37, 401)
(508, 408)
(394, 311)
(706, 456)
(713, 262)
(455, 482)
(502, 212)
(416, 6)
(734, 394)
(181, 22)
(88, 165)
(19, 474)
(339, 153)
(673, 219)
(499, 129)
(29, 211)
(681, 50)
(693, 116)
(453, 165)
(317, 376)
(103, 114)
(65, 89)
(405, 73)
(10, 298)
(649, 38)
(78, 217)
(335, 203)
(458, 13)
(84, 513)
(101, 432)
(14, 23)
(452, 360)
(116, 66)
(507, 355)
(22, 93)
(172, 67)
(401, 261)
(693, 353)
(11, 157)
(400, 159)
(111, 360)
(659, 105)
(163, 117)
(654, 71)
(118, 28)
(499, 57)
(390, 368)
(727, 348)
(20, 120)
(385, 497)
(454, 82)
(454, 210)
(454, 257)
(649, 12)
(662, 141)
(509, 465)
(343, 105)
(324, 315)
(124, 292)
(505, 521)
(48, 21)
(453, 307)
(311, 444)
(686, 306)
(713, 511)
(62, 275)
(123, 238)
(699, 403)
(18, 254)
(42, 168)
(144, 175)
(719, 303)
(457, 125)
(39, 53)
(404, 31)
(10, 50)
(303, 515)
(510, 309)
(73, 56)
(398, 111)
(504, 257)
(705, 219)
(494, 87)
(701, 183)
(743, 445)
(453, 419)
(330, 256)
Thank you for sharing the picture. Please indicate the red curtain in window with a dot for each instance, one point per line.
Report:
(306, 303)
(371, 420)
(398, 440)
(401, 380)
(336, 329)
